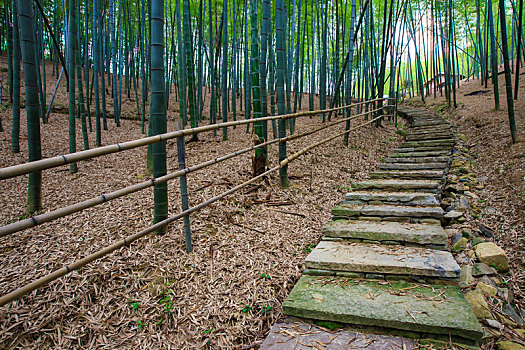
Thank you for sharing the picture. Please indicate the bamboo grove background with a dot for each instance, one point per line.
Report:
(265, 57)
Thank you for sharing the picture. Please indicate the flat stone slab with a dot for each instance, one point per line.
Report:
(441, 142)
(402, 211)
(294, 333)
(412, 166)
(398, 185)
(382, 259)
(420, 154)
(437, 310)
(428, 137)
(404, 198)
(438, 159)
(410, 174)
(424, 149)
(388, 211)
(422, 234)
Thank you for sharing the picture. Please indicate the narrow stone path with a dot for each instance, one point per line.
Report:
(383, 265)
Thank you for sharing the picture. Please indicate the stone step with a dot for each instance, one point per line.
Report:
(428, 186)
(438, 312)
(420, 131)
(429, 122)
(434, 127)
(387, 232)
(392, 198)
(434, 137)
(389, 212)
(293, 332)
(409, 174)
(435, 153)
(447, 148)
(442, 142)
(437, 159)
(382, 261)
(412, 166)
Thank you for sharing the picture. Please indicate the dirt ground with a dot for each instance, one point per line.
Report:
(225, 294)
(500, 165)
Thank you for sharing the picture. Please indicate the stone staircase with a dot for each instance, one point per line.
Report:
(383, 264)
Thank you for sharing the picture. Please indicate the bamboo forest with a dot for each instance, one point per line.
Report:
(262, 174)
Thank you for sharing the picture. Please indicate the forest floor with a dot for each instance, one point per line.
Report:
(499, 165)
(225, 294)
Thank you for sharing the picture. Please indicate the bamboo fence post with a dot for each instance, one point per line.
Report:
(181, 156)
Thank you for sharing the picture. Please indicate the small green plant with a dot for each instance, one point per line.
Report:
(208, 331)
(246, 308)
(268, 277)
(139, 325)
(134, 305)
(266, 309)
(308, 248)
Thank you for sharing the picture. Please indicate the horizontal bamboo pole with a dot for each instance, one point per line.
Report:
(39, 165)
(20, 292)
(296, 155)
(89, 203)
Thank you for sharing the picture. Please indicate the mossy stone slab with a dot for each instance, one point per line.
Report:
(397, 185)
(398, 305)
(404, 198)
(413, 166)
(436, 159)
(419, 154)
(402, 211)
(382, 259)
(407, 174)
(421, 234)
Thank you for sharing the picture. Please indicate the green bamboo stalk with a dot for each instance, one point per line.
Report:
(493, 54)
(259, 160)
(224, 69)
(158, 110)
(508, 82)
(15, 128)
(72, 38)
(280, 52)
(27, 45)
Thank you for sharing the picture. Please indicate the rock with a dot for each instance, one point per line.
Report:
(490, 210)
(463, 204)
(492, 255)
(465, 276)
(478, 304)
(503, 293)
(493, 323)
(453, 215)
(509, 345)
(486, 230)
(488, 281)
(455, 238)
(480, 269)
(476, 241)
(509, 310)
(483, 178)
(470, 253)
(466, 232)
(460, 245)
(489, 290)
(450, 231)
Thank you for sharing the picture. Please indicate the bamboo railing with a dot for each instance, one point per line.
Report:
(48, 163)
